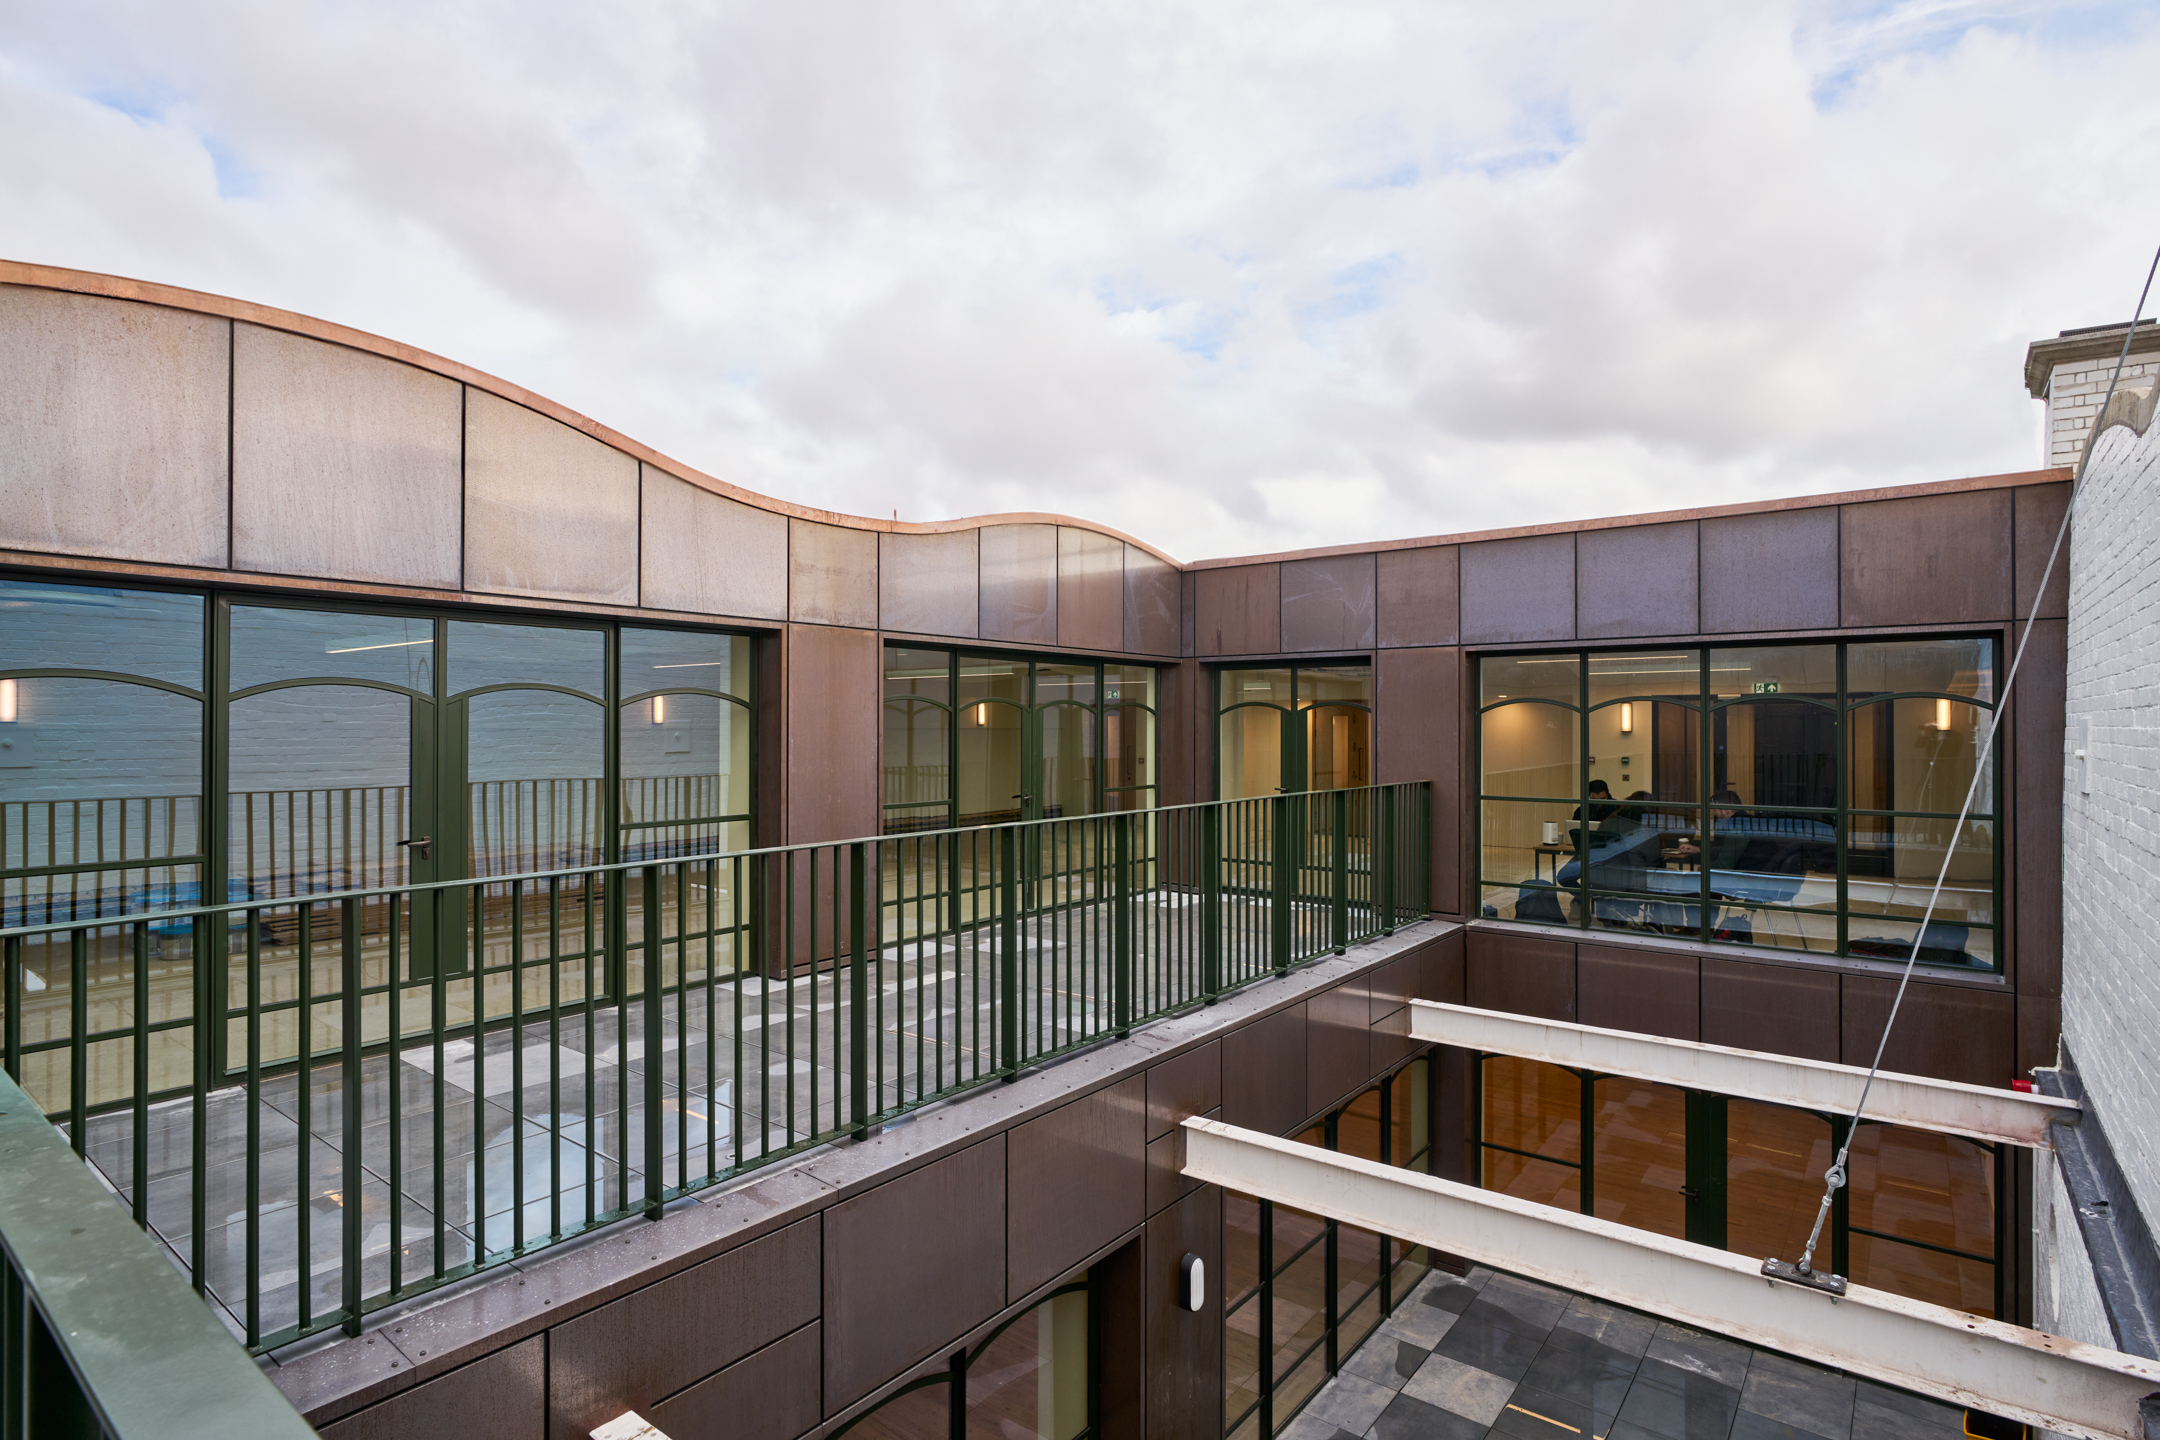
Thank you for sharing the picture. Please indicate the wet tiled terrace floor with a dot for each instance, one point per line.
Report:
(1494, 1355)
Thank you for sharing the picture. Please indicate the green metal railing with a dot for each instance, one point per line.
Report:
(334, 1102)
(99, 1336)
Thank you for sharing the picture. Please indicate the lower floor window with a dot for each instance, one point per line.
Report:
(1032, 1379)
(1301, 1292)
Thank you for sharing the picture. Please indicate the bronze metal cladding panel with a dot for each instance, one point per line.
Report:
(2033, 861)
(1418, 736)
(1776, 571)
(2039, 1020)
(1518, 590)
(1636, 580)
(1188, 612)
(773, 1395)
(1338, 1045)
(768, 653)
(1154, 597)
(1327, 603)
(1391, 1042)
(1181, 780)
(2039, 510)
(1264, 1072)
(927, 583)
(1019, 583)
(1950, 1032)
(1930, 559)
(634, 1352)
(1186, 1084)
(502, 1396)
(1237, 611)
(1166, 1181)
(1640, 990)
(1442, 969)
(1076, 1179)
(1777, 1008)
(1417, 596)
(1184, 1348)
(1090, 589)
(910, 1266)
(1121, 1331)
(832, 575)
(832, 679)
(1391, 985)
(1524, 974)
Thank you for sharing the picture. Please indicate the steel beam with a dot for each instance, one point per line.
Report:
(1979, 1112)
(2040, 1379)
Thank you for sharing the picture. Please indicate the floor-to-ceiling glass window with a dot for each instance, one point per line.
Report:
(1034, 1378)
(1919, 1217)
(1306, 727)
(1800, 795)
(987, 739)
(1301, 1293)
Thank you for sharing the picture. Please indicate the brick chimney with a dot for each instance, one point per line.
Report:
(2071, 373)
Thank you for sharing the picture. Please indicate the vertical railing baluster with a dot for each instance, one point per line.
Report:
(517, 1066)
(1122, 920)
(139, 1181)
(1339, 877)
(1211, 902)
(1282, 886)
(1007, 990)
(655, 1133)
(1385, 860)
(858, 995)
(350, 1206)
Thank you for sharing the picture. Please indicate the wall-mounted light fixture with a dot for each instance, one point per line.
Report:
(1627, 717)
(1191, 1283)
(1942, 715)
(7, 702)
(659, 709)
(982, 714)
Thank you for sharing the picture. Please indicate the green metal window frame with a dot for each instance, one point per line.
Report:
(1262, 1293)
(945, 814)
(1707, 1173)
(1705, 706)
(1295, 760)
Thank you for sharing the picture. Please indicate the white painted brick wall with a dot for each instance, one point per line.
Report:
(2111, 839)
(2074, 394)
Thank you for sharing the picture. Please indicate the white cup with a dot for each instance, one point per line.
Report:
(1552, 832)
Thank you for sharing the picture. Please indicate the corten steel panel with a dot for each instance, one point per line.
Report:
(832, 680)
(502, 1396)
(1417, 596)
(1524, 974)
(832, 575)
(112, 440)
(1636, 580)
(1442, 969)
(549, 511)
(1455, 1136)
(926, 583)
(635, 1352)
(1154, 596)
(1391, 985)
(1263, 1073)
(1949, 1032)
(1417, 726)
(2033, 861)
(1391, 1042)
(1338, 1045)
(1090, 589)
(1075, 1179)
(1188, 612)
(1180, 703)
(1770, 1007)
(1184, 1348)
(1189, 1083)
(707, 553)
(1121, 1335)
(2039, 1037)
(2039, 510)
(1777, 571)
(1019, 583)
(1237, 611)
(910, 1266)
(773, 1395)
(345, 466)
(1926, 560)
(1327, 604)
(768, 653)
(1639, 990)
(1166, 1181)
(1518, 590)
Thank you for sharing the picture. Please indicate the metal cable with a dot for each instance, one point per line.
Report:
(1834, 1178)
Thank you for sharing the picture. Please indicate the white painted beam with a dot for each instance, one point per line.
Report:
(1977, 1111)
(2040, 1379)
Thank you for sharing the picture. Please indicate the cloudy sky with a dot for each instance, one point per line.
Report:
(1231, 276)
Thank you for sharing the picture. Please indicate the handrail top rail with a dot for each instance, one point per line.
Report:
(18, 932)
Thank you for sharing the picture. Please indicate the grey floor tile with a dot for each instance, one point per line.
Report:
(1629, 1331)
(1713, 1358)
(1310, 1426)
(1747, 1426)
(1881, 1413)
(1422, 1325)
(1352, 1402)
(1534, 1306)
(1533, 1414)
(1449, 1294)
(1463, 1389)
(1385, 1360)
(1409, 1418)
(1477, 1340)
(1587, 1374)
(1806, 1397)
(1679, 1403)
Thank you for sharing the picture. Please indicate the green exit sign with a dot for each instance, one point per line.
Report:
(1766, 687)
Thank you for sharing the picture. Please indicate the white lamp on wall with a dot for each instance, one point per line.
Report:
(7, 702)
(659, 709)
(1627, 717)
(1942, 714)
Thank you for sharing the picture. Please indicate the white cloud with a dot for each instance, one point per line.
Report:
(1230, 277)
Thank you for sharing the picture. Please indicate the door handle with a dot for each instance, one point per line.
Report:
(422, 844)
(1690, 1195)
(1023, 797)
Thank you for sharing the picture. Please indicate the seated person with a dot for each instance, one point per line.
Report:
(1601, 807)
